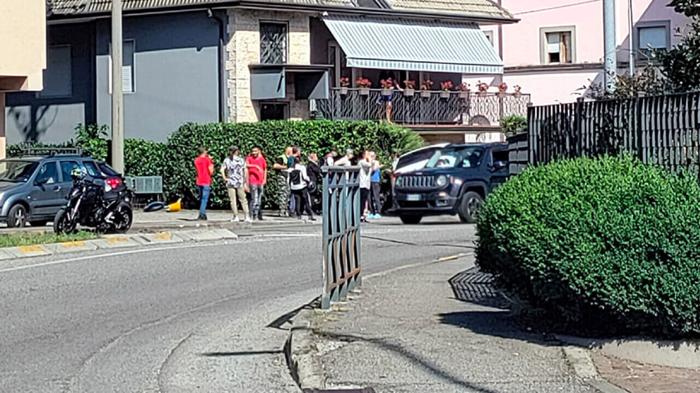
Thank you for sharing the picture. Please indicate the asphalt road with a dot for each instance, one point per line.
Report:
(187, 318)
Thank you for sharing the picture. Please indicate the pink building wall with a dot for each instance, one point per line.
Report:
(563, 83)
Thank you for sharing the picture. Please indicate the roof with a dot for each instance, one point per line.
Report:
(454, 8)
(397, 44)
(471, 8)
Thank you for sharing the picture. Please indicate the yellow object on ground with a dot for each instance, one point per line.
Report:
(175, 207)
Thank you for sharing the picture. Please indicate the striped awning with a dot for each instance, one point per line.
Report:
(397, 44)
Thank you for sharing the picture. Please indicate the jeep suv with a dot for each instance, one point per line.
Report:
(455, 180)
(33, 188)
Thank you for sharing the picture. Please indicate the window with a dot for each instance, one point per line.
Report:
(558, 45)
(58, 80)
(91, 169)
(66, 169)
(489, 36)
(128, 51)
(274, 111)
(48, 174)
(653, 36)
(273, 43)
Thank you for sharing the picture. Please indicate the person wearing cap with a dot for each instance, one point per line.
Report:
(235, 175)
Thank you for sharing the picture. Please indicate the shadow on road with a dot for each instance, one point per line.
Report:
(411, 356)
(475, 286)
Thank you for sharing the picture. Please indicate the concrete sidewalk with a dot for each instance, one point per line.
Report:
(436, 328)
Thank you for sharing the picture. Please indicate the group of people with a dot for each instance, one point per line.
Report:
(298, 181)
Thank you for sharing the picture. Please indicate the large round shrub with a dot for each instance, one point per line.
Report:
(609, 244)
(318, 136)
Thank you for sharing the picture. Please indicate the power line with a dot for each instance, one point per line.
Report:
(556, 7)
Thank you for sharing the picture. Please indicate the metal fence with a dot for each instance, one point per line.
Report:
(341, 232)
(423, 107)
(661, 130)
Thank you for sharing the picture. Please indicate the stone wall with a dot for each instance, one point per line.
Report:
(243, 49)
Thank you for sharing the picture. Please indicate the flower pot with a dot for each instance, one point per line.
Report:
(344, 90)
(409, 92)
(517, 94)
(364, 91)
(425, 93)
(464, 95)
(444, 94)
(387, 92)
(501, 94)
(482, 93)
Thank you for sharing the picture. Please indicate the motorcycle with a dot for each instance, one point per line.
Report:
(105, 207)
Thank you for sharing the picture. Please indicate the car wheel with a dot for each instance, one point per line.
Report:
(17, 217)
(411, 220)
(39, 223)
(469, 207)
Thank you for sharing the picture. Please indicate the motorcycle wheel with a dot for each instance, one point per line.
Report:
(125, 218)
(62, 223)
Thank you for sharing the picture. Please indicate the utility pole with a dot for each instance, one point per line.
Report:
(632, 38)
(117, 92)
(610, 45)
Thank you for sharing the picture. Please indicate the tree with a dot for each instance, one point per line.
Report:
(681, 64)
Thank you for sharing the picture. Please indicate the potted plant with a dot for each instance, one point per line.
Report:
(517, 91)
(344, 84)
(502, 88)
(425, 88)
(464, 91)
(409, 88)
(387, 87)
(483, 88)
(445, 88)
(364, 84)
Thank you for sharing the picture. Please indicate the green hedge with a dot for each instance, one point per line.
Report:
(174, 159)
(607, 245)
(312, 136)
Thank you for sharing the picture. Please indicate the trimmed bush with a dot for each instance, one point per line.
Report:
(319, 136)
(608, 245)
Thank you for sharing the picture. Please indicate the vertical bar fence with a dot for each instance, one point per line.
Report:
(341, 233)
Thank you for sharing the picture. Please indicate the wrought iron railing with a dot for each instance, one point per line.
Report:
(422, 107)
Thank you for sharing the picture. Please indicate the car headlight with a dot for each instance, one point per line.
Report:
(441, 181)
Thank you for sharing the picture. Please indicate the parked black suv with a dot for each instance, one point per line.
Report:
(34, 187)
(455, 180)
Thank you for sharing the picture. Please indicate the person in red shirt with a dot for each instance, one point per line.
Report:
(257, 178)
(205, 168)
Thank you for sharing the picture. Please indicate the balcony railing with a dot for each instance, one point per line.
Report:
(423, 107)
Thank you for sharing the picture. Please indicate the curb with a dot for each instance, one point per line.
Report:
(300, 353)
(678, 354)
(108, 242)
(580, 361)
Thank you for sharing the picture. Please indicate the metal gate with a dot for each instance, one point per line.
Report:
(341, 232)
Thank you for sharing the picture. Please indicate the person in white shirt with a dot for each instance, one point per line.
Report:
(347, 158)
(298, 183)
(365, 179)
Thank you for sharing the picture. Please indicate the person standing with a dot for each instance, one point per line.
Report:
(376, 188)
(281, 167)
(257, 178)
(313, 169)
(205, 168)
(347, 159)
(298, 182)
(365, 183)
(329, 159)
(235, 175)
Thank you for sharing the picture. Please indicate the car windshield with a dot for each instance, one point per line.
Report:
(17, 171)
(456, 157)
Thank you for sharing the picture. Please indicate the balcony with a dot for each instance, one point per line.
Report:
(423, 107)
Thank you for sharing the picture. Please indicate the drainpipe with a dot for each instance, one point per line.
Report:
(500, 42)
(222, 64)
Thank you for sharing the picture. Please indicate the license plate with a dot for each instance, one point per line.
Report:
(413, 197)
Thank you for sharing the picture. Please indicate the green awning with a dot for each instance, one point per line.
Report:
(411, 45)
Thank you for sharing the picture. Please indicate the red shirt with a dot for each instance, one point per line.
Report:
(202, 164)
(257, 166)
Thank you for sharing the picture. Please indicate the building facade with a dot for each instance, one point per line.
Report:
(555, 51)
(245, 61)
(22, 50)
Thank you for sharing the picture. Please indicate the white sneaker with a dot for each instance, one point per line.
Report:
(248, 220)
(235, 219)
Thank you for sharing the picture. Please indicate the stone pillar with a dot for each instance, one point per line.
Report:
(243, 49)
